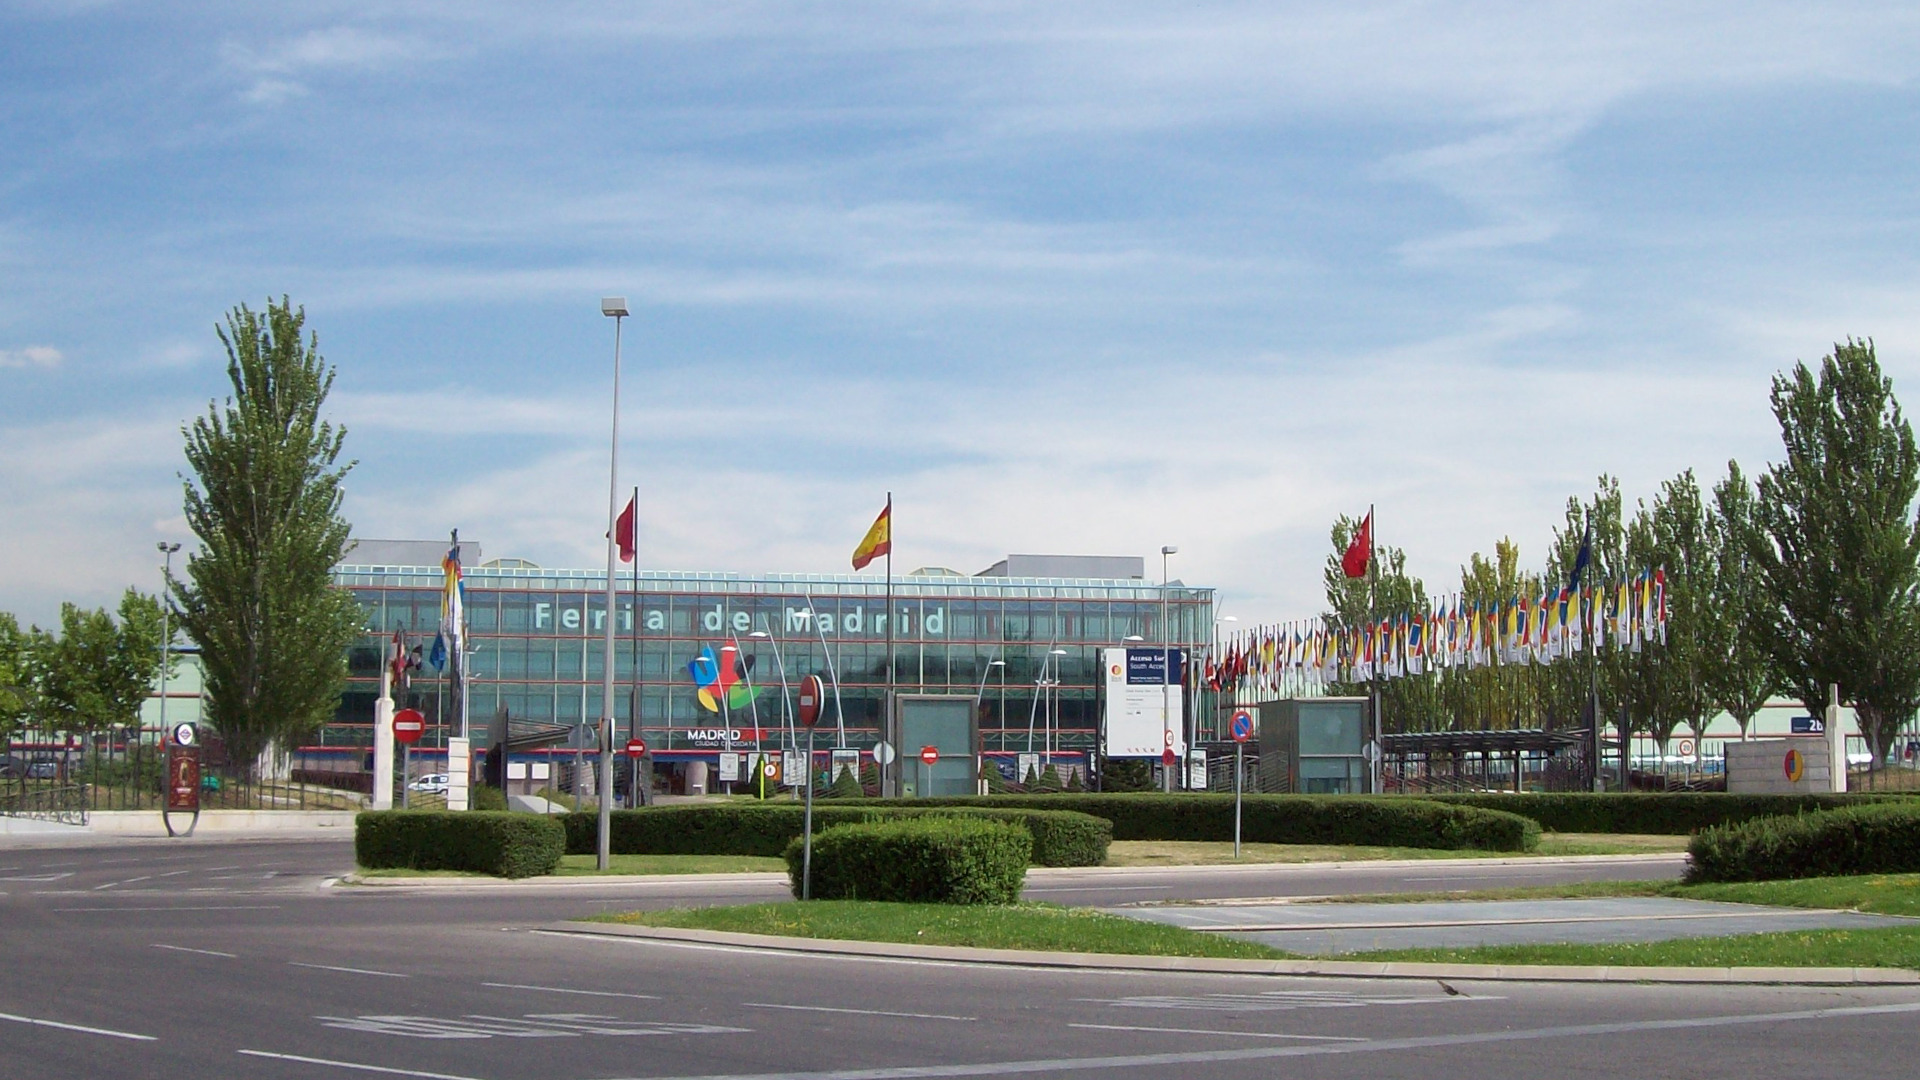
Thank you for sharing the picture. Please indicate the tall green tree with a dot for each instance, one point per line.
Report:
(264, 501)
(1739, 673)
(1838, 543)
(1664, 684)
(18, 693)
(97, 672)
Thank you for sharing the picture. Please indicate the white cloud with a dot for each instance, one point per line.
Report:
(32, 356)
(279, 70)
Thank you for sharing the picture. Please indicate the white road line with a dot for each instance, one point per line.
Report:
(211, 869)
(351, 970)
(571, 990)
(1266, 1053)
(856, 1012)
(39, 877)
(355, 1065)
(1208, 1031)
(202, 952)
(76, 1027)
(173, 873)
(181, 907)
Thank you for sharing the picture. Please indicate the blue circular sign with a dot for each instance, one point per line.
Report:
(1242, 725)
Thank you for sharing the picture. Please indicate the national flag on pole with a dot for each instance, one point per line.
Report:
(453, 611)
(1582, 560)
(1359, 551)
(626, 530)
(878, 541)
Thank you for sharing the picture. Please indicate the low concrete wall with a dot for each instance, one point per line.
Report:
(148, 823)
(1760, 767)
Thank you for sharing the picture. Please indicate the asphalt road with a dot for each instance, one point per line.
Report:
(228, 959)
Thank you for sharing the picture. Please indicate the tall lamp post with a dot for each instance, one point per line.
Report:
(166, 628)
(1166, 664)
(615, 308)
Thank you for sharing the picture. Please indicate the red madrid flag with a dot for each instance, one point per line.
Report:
(625, 536)
(1360, 551)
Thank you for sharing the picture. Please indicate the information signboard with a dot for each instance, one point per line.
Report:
(1144, 709)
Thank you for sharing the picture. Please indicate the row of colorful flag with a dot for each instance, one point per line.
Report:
(1577, 619)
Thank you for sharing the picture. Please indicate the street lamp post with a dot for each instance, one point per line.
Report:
(1166, 663)
(615, 308)
(1213, 659)
(166, 628)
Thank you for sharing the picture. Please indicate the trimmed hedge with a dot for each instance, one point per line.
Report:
(926, 859)
(1286, 819)
(489, 841)
(1872, 839)
(1671, 813)
(1060, 837)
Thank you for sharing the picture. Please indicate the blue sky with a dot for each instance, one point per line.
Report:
(1065, 277)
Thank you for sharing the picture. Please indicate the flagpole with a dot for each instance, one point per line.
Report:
(617, 308)
(636, 793)
(888, 727)
(1373, 601)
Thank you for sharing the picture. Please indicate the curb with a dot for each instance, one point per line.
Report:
(1040, 872)
(1209, 966)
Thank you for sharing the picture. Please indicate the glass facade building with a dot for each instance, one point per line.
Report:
(1025, 651)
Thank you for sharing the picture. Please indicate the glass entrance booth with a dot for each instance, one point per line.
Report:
(950, 724)
(1313, 746)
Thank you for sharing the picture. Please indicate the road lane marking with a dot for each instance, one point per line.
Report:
(36, 1022)
(530, 1026)
(173, 873)
(39, 877)
(1208, 1031)
(1269, 1001)
(355, 1065)
(181, 907)
(202, 952)
(351, 970)
(1266, 1053)
(571, 990)
(856, 1012)
(211, 869)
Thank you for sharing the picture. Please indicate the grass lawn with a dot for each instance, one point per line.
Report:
(1045, 927)
(1207, 853)
(584, 865)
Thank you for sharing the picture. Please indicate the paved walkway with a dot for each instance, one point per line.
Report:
(1330, 929)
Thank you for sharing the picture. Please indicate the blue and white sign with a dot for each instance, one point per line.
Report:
(1808, 725)
(1144, 708)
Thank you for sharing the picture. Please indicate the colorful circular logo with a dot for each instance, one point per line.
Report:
(1795, 765)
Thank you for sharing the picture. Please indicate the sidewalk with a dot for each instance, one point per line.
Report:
(1202, 965)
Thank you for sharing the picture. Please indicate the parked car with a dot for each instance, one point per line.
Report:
(12, 768)
(43, 770)
(430, 784)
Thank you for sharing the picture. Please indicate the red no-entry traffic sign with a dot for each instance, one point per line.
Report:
(812, 691)
(408, 724)
(636, 747)
(929, 754)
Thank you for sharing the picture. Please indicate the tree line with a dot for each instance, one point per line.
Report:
(1805, 576)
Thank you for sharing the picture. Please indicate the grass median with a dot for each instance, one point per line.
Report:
(1043, 927)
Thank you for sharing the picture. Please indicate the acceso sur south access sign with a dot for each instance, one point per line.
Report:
(1144, 702)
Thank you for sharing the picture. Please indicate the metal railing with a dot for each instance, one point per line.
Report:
(66, 804)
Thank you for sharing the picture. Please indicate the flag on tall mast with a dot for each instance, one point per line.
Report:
(878, 541)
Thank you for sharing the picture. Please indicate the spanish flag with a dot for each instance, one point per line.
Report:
(879, 539)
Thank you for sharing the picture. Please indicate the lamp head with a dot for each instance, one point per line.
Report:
(613, 306)
(996, 663)
(1133, 637)
(1169, 550)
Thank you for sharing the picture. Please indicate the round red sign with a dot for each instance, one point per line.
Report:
(929, 754)
(636, 747)
(812, 692)
(408, 724)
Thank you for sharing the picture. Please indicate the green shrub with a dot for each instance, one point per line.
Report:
(922, 860)
(490, 842)
(1671, 813)
(1286, 819)
(1060, 838)
(482, 797)
(1871, 839)
(845, 786)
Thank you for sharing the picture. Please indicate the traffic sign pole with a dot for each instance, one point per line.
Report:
(1242, 730)
(811, 693)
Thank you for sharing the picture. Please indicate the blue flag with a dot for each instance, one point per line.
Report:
(1581, 560)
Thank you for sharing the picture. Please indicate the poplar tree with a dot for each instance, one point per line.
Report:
(1739, 673)
(1837, 542)
(264, 501)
